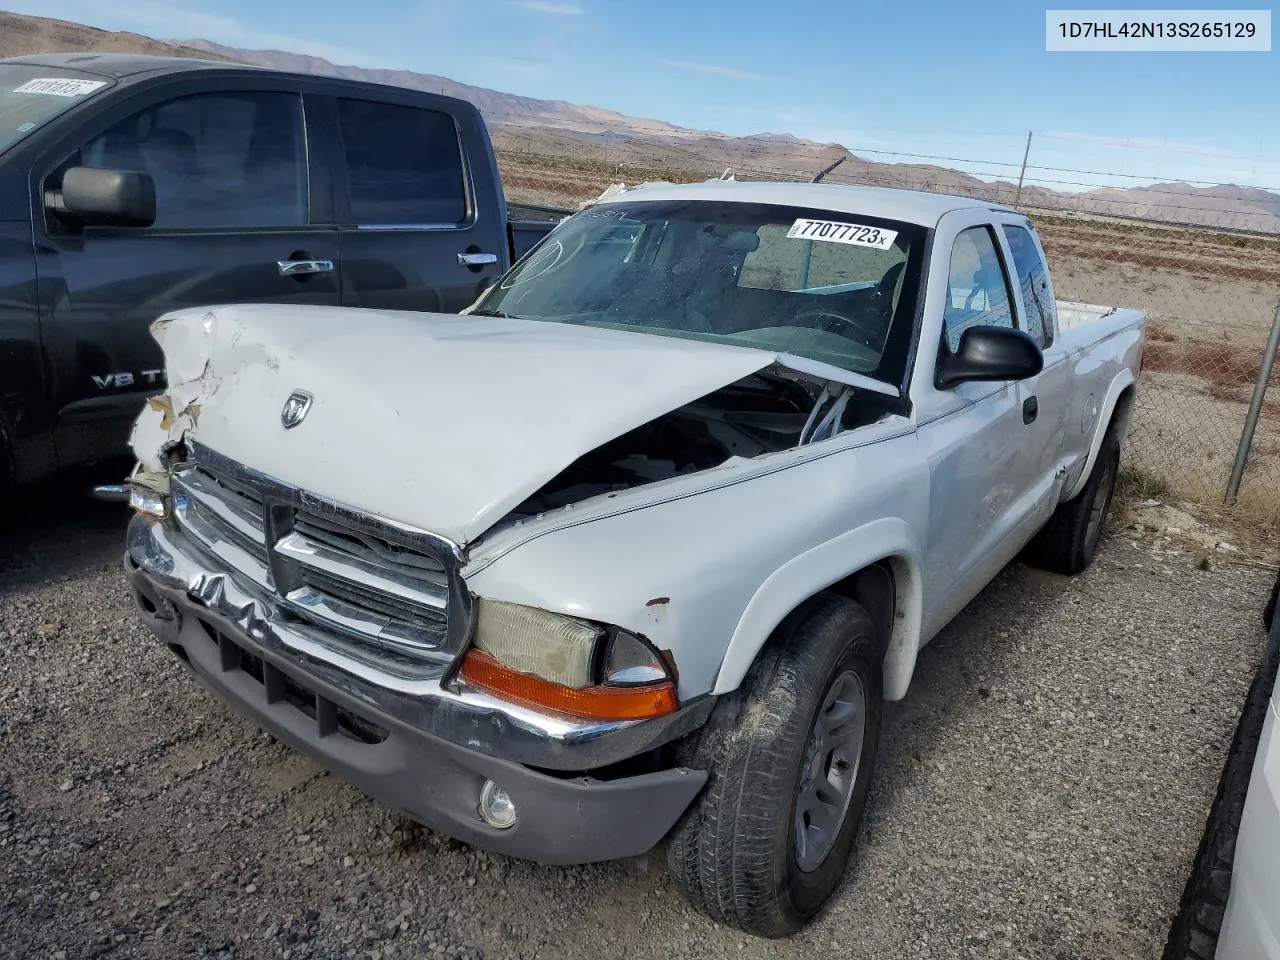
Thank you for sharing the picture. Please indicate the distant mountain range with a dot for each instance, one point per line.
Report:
(561, 128)
(498, 108)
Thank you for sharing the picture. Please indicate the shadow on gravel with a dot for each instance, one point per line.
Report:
(953, 682)
(57, 530)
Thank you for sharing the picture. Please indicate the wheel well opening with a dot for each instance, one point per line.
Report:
(1123, 411)
(875, 588)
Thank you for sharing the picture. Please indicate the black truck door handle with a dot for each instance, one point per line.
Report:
(1030, 407)
(303, 267)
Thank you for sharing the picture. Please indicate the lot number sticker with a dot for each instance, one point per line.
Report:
(60, 86)
(834, 232)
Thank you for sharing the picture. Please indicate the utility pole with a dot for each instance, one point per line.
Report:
(1023, 172)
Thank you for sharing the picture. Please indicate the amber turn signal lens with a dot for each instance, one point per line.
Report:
(593, 703)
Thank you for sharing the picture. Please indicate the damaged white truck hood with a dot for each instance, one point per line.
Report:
(440, 421)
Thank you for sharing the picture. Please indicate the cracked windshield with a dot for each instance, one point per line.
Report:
(839, 288)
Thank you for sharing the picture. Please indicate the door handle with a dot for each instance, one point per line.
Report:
(1030, 408)
(302, 268)
(477, 259)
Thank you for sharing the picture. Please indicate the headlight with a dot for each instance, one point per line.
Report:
(548, 661)
(556, 648)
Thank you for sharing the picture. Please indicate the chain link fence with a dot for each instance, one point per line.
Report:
(1205, 269)
(1211, 300)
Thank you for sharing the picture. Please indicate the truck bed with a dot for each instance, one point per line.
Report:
(1080, 324)
(1072, 313)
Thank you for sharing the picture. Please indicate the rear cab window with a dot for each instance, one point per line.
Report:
(404, 165)
(810, 266)
(32, 95)
(1033, 282)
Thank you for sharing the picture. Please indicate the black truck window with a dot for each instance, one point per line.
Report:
(404, 164)
(217, 159)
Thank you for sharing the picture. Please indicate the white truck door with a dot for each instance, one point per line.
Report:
(1046, 398)
(973, 433)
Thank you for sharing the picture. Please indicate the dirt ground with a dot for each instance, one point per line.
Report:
(1039, 793)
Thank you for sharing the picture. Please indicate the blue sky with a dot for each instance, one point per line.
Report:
(961, 80)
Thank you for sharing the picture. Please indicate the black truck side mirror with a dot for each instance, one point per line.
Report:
(989, 353)
(107, 198)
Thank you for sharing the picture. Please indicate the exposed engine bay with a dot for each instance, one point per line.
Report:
(764, 413)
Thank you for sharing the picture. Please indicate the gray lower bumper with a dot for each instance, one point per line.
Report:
(570, 818)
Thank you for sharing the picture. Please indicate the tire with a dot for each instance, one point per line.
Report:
(1194, 932)
(1268, 615)
(1068, 542)
(735, 855)
(7, 484)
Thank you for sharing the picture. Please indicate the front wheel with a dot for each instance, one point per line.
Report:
(790, 758)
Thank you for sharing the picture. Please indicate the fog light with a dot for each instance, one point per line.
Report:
(496, 807)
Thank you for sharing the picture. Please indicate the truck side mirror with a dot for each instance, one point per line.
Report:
(115, 198)
(990, 353)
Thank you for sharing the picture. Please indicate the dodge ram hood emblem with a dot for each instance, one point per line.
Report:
(295, 408)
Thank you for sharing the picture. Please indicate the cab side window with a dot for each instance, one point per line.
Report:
(228, 159)
(1033, 281)
(404, 164)
(977, 288)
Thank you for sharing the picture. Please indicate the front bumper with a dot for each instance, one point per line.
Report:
(413, 745)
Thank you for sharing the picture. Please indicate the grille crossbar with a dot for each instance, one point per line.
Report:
(386, 594)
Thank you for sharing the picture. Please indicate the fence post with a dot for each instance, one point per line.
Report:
(1255, 408)
(817, 177)
(1023, 172)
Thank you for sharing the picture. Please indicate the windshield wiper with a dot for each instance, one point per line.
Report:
(492, 313)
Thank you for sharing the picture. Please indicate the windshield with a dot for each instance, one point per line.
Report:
(840, 288)
(32, 95)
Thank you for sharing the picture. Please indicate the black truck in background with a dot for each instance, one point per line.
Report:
(133, 185)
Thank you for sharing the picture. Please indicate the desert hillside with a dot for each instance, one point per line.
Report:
(557, 152)
(21, 35)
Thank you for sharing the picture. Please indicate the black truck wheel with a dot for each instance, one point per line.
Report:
(1269, 613)
(1068, 542)
(7, 484)
(790, 758)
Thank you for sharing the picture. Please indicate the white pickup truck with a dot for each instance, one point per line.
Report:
(633, 552)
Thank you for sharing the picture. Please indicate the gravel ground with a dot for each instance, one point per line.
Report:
(1039, 794)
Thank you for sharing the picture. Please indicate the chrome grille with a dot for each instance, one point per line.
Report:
(373, 550)
(216, 513)
(382, 590)
(357, 595)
